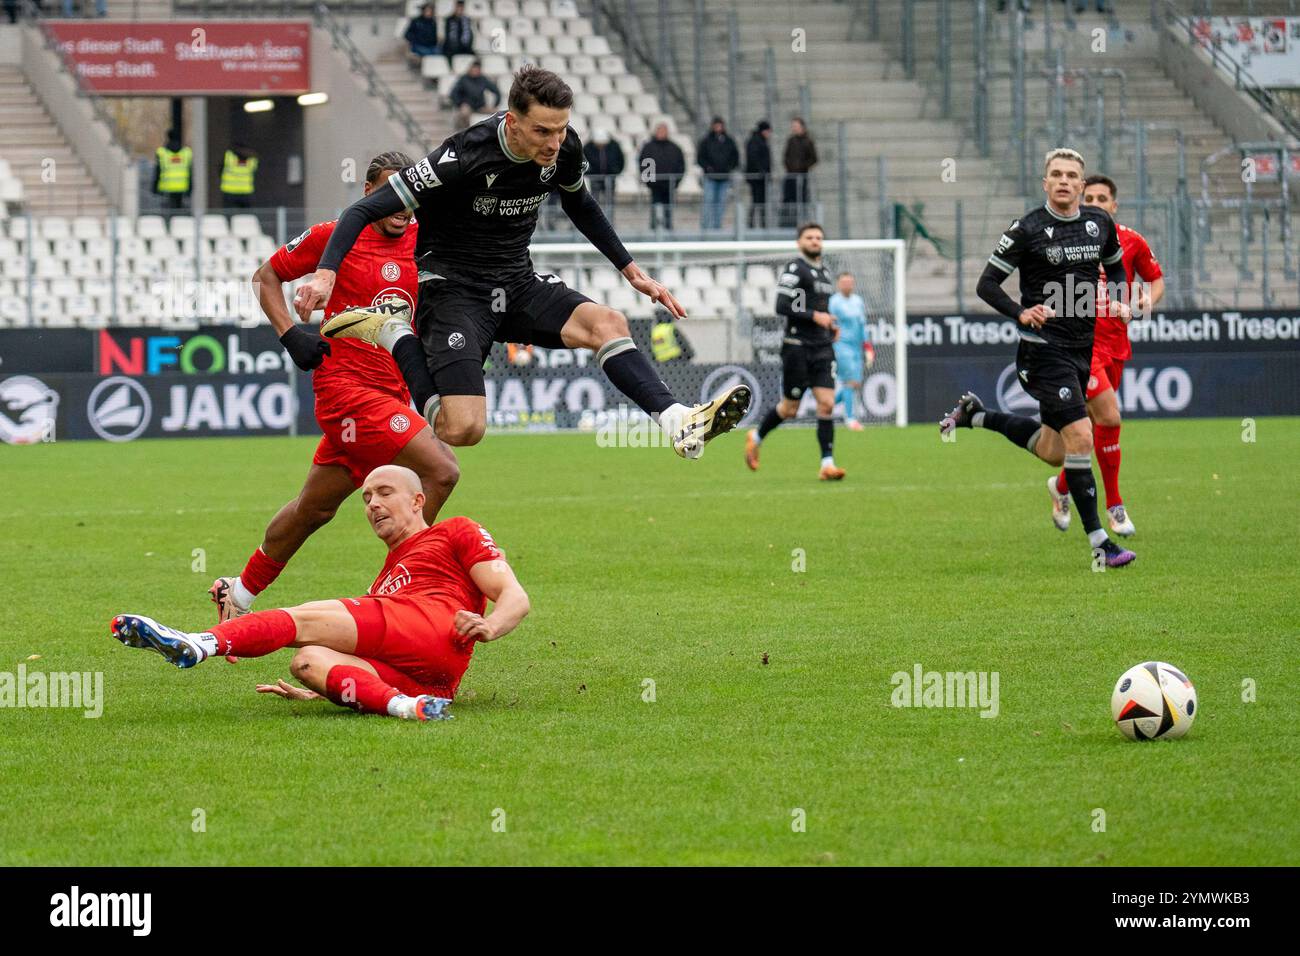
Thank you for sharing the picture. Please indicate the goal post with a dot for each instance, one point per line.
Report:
(728, 289)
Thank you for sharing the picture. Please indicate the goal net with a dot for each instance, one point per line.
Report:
(731, 334)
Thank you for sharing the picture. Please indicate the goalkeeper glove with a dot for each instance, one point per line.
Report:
(307, 349)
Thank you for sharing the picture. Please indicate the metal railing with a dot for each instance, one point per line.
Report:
(1269, 101)
(360, 64)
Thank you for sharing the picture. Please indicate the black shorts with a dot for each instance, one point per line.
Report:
(1057, 376)
(458, 322)
(804, 367)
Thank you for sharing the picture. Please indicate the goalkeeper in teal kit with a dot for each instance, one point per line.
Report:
(853, 350)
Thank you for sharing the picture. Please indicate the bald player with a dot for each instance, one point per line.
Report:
(401, 648)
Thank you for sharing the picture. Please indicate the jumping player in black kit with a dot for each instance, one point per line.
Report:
(803, 296)
(1057, 248)
(476, 198)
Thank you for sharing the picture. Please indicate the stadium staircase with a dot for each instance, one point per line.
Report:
(31, 139)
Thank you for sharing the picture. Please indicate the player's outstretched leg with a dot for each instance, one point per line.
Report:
(178, 647)
(388, 326)
(691, 429)
(969, 412)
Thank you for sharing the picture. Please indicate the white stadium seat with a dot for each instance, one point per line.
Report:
(556, 64)
(550, 27)
(611, 65)
(535, 8)
(629, 84)
(55, 227)
(8, 247)
(165, 248)
(214, 225)
(506, 8)
(245, 225)
(11, 190)
(86, 227)
(68, 248)
(564, 9)
(478, 8)
(495, 64)
(595, 46)
(578, 27)
(151, 227)
(460, 63)
(566, 46)
(520, 27)
(599, 83)
(615, 104)
(181, 227)
(582, 65)
(535, 45)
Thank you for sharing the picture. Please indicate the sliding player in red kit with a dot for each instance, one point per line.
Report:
(362, 404)
(1110, 350)
(402, 648)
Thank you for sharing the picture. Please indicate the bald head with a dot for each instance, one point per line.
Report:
(394, 500)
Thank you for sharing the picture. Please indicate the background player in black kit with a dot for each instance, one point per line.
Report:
(803, 296)
(476, 198)
(1057, 248)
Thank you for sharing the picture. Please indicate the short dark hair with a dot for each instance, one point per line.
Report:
(532, 84)
(389, 162)
(804, 227)
(1096, 179)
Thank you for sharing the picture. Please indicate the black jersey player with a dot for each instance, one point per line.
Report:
(807, 349)
(1057, 248)
(476, 198)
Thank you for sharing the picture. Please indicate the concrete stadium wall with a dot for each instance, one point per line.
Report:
(352, 125)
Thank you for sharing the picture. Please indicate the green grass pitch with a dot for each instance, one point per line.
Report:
(772, 686)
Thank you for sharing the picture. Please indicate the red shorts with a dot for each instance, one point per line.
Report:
(1106, 372)
(364, 428)
(411, 643)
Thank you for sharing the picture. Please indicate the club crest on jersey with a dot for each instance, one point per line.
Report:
(1065, 393)
(391, 271)
(1092, 228)
(1055, 255)
(547, 173)
(485, 205)
(456, 340)
(399, 423)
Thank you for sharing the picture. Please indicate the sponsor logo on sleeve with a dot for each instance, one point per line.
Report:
(425, 177)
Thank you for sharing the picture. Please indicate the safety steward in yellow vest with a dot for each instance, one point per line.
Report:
(237, 174)
(663, 342)
(175, 164)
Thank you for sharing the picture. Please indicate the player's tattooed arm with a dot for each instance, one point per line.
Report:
(510, 603)
(378, 205)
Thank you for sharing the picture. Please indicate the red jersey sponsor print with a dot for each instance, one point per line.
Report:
(376, 268)
(1111, 334)
(435, 564)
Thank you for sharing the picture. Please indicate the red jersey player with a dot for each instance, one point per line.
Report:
(362, 404)
(1110, 350)
(400, 649)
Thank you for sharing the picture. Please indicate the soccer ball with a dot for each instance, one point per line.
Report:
(1153, 700)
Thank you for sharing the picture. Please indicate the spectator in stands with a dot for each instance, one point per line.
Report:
(11, 8)
(800, 158)
(604, 163)
(719, 157)
(661, 165)
(237, 174)
(758, 169)
(101, 8)
(422, 33)
(470, 94)
(172, 172)
(457, 32)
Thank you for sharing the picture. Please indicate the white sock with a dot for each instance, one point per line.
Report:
(828, 462)
(207, 641)
(1097, 538)
(402, 706)
(758, 439)
(391, 331)
(672, 415)
(430, 410)
(242, 596)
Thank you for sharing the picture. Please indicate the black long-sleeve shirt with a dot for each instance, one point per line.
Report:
(477, 206)
(802, 289)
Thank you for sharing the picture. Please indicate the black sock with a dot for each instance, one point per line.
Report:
(826, 435)
(634, 376)
(1018, 429)
(408, 353)
(1083, 489)
(770, 421)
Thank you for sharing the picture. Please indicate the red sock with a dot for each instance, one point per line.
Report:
(1062, 486)
(358, 689)
(256, 634)
(260, 572)
(1106, 443)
